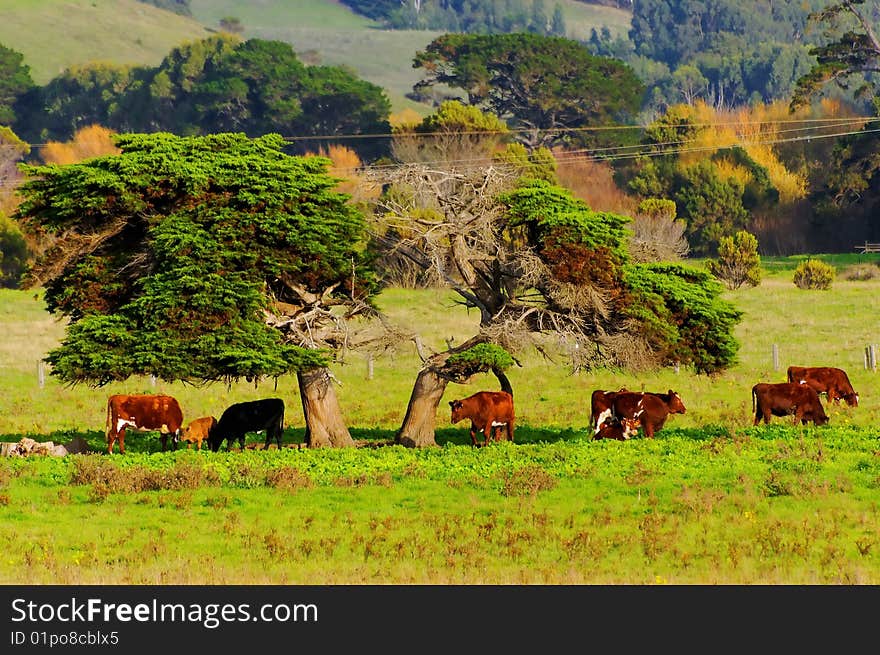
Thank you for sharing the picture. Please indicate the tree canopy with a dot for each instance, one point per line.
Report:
(214, 85)
(194, 258)
(15, 81)
(548, 87)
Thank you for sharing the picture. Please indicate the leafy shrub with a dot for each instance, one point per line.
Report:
(813, 274)
(738, 261)
(657, 235)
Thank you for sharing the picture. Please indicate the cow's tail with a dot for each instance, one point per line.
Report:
(109, 416)
(502, 379)
(754, 402)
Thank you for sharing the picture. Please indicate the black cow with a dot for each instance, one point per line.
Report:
(265, 415)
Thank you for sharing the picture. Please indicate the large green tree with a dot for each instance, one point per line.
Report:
(200, 259)
(847, 199)
(15, 81)
(547, 88)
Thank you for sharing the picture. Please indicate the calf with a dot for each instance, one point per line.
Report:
(142, 412)
(487, 410)
(618, 429)
(787, 399)
(833, 382)
(264, 415)
(652, 409)
(198, 431)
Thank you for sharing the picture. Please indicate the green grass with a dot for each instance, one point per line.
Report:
(766, 506)
(710, 500)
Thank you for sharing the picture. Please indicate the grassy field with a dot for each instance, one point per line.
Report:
(56, 34)
(710, 500)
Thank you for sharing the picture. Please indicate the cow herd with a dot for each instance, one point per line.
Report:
(613, 414)
(621, 414)
(148, 413)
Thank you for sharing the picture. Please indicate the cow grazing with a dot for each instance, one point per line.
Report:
(787, 399)
(600, 407)
(833, 382)
(621, 430)
(487, 411)
(146, 413)
(652, 409)
(198, 431)
(264, 415)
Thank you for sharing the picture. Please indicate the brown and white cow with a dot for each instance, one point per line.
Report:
(487, 411)
(147, 413)
(600, 407)
(801, 401)
(652, 409)
(621, 430)
(833, 382)
(198, 431)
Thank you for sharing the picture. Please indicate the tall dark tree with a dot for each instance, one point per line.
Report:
(850, 50)
(15, 81)
(848, 200)
(200, 259)
(549, 87)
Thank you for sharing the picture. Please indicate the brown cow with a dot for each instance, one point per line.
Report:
(621, 430)
(146, 413)
(487, 410)
(198, 431)
(600, 407)
(833, 382)
(652, 409)
(787, 398)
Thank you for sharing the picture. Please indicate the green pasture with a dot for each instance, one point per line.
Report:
(711, 500)
(54, 36)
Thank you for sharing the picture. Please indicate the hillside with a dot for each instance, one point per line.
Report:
(55, 35)
(321, 31)
(330, 32)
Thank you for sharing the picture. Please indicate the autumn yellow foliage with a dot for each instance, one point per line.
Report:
(88, 142)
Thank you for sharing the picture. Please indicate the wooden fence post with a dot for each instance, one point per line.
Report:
(871, 357)
(775, 357)
(41, 374)
(370, 366)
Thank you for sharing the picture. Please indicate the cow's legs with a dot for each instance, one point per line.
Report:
(121, 439)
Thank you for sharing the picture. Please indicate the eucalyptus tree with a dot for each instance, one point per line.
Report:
(200, 259)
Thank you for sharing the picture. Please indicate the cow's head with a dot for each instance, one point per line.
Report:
(852, 399)
(676, 405)
(457, 409)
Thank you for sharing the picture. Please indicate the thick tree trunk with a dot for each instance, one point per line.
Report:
(324, 424)
(417, 430)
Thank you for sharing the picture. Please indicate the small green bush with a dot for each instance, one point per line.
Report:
(813, 274)
(738, 261)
